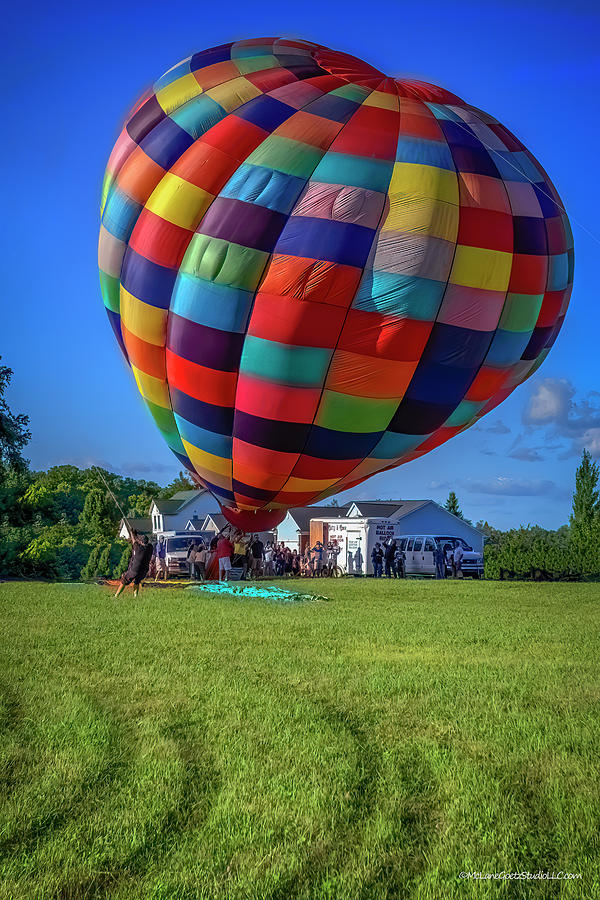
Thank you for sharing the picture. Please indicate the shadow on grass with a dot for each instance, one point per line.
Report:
(195, 798)
(326, 860)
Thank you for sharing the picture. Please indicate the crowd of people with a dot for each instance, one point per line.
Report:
(252, 558)
(389, 556)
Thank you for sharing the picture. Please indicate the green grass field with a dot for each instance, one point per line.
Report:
(187, 746)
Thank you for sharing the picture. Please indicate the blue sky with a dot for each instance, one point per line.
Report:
(70, 75)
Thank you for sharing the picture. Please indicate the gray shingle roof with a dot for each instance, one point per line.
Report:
(144, 526)
(303, 514)
(168, 507)
(385, 508)
(178, 501)
(184, 496)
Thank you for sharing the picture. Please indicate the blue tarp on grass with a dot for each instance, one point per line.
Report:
(252, 591)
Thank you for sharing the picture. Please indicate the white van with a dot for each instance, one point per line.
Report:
(419, 550)
(178, 543)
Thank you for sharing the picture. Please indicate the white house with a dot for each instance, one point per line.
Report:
(175, 513)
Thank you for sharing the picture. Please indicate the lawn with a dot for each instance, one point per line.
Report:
(375, 746)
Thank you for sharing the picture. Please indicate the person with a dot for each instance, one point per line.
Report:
(440, 561)
(160, 558)
(287, 565)
(458, 557)
(295, 564)
(358, 561)
(239, 553)
(399, 563)
(350, 562)
(191, 560)
(224, 552)
(377, 560)
(390, 551)
(319, 557)
(139, 563)
(449, 551)
(332, 555)
(201, 554)
(279, 559)
(269, 555)
(256, 553)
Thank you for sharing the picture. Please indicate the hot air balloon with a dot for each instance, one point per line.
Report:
(317, 272)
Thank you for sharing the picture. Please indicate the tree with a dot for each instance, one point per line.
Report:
(98, 516)
(91, 567)
(182, 483)
(585, 516)
(453, 506)
(14, 434)
(123, 562)
(586, 498)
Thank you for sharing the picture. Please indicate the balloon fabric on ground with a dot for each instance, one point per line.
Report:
(253, 591)
(318, 272)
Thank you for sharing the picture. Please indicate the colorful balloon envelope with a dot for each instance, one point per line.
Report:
(317, 272)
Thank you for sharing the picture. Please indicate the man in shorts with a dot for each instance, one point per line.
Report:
(224, 552)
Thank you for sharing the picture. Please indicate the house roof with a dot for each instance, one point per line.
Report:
(195, 524)
(218, 520)
(184, 496)
(167, 507)
(303, 514)
(387, 508)
(173, 504)
(144, 526)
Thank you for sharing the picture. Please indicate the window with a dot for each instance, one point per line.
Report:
(402, 544)
(453, 541)
(177, 544)
(429, 544)
(418, 544)
(409, 546)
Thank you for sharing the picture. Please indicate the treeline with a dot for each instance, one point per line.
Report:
(63, 523)
(570, 552)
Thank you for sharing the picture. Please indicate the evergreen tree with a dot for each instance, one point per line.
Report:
(123, 562)
(104, 566)
(98, 515)
(453, 506)
(14, 434)
(586, 498)
(585, 517)
(91, 567)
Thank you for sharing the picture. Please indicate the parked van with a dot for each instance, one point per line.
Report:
(178, 543)
(419, 550)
